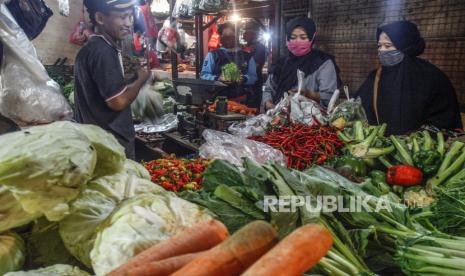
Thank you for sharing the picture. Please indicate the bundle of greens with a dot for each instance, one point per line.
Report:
(367, 143)
(411, 246)
(447, 212)
(231, 72)
(237, 198)
(418, 149)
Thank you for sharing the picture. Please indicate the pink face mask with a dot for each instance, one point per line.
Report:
(299, 47)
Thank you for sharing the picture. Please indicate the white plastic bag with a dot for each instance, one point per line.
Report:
(160, 7)
(63, 6)
(299, 108)
(148, 106)
(221, 145)
(255, 126)
(27, 94)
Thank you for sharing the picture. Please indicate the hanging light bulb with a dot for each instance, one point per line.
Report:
(235, 17)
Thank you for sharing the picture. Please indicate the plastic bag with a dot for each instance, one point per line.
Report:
(160, 8)
(30, 15)
(168, 39)
(347, 112)
(255, 126)
(213, 5)
(300, 108)
(166, 123)
(80, 34)
(221, 145)
(63, 6)
(185, 8)
(148, 106)
(27, 94)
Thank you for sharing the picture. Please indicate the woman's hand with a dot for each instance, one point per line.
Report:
(225, 81)
(269, 105)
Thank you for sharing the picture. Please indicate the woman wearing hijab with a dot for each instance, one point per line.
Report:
(321, 73)
(407, 92)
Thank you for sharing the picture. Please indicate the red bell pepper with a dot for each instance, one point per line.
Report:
(404, 175)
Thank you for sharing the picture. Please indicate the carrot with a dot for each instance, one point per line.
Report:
(295, 254)
(234, 255)
(199, 237)
(164, 267)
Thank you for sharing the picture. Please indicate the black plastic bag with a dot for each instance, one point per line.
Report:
(31, 15)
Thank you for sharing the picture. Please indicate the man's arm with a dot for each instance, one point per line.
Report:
(207, 69)
(129, 93)
(251, 73)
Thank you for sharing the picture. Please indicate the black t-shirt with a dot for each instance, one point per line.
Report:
(99, 77)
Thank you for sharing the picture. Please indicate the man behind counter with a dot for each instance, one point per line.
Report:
(230, 53)
(102, 97)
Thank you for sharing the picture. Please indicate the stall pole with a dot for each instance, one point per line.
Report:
(199, 45)
(174, 56)
(277, 31)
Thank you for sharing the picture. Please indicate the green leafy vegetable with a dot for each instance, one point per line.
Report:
(231, 72)
(136, 169)
(12, 213)
(44, 246)
(221, 172)
(45, 167)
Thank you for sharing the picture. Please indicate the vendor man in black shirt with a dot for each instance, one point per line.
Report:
(102, 97)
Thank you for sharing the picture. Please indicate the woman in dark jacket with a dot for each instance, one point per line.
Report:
(321, 72)
(407, 92)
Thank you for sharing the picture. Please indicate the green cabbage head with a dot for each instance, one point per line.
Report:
(101, 197)
(45, 167)
(139, 223)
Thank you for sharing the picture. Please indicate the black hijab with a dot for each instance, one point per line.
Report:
(405, 36)
(412, 93)
(284, 71)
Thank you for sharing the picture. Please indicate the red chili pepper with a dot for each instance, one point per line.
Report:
(404, 175)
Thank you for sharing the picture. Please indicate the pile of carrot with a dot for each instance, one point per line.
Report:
(170, 255)
(236, 108)
(252, 251)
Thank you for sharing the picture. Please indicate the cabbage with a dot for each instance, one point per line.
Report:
(45, 167)
(44, 246)
(134, 168)
(11, 252)
(96, 203)
(110, 153)
(12, 213)
(140, 223)
(55, 270)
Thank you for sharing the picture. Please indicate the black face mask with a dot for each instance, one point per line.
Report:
(228, 42)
